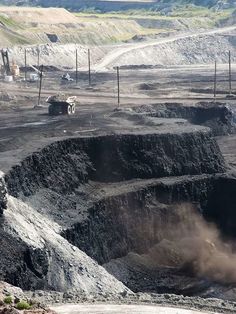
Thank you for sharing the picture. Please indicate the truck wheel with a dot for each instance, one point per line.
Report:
(51, 110)
(73, 109)
(69, 110)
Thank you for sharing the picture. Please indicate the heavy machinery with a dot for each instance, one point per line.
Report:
(34, 76)
(9, 70)
(6, 63)
(61, 104)
(67, 78)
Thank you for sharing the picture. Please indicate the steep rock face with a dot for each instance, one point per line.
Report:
(35, 256)
(17, 266)
(62, 166)
(153, 156)
(3, 192)
(217, 116)
(221, 205)
(132, 221)
(135, 232)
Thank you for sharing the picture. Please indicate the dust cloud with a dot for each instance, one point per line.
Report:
(193, 245)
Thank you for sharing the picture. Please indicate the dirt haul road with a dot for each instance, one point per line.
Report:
(111, 57)
(124, 309)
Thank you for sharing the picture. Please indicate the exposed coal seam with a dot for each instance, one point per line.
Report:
(64, 165)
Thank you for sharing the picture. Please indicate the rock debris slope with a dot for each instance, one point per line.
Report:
(48, 260)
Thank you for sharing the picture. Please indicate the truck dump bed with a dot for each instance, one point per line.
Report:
(61, 104)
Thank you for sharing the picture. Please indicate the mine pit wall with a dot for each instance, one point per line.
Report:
(132, 221)
(116, 224)
(219, 117)
(64, 165)
(3, 193)
(221, 205)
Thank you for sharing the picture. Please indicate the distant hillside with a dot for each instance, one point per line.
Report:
(119, 5)
(30, 25)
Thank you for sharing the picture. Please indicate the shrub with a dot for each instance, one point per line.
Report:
(8, 300)
(22, 305)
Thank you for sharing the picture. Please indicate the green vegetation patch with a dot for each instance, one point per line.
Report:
(22, 305)
(12, 38)
(190, 11)
(9, 22)
(184, 11)
(138, 14)
(8, 300)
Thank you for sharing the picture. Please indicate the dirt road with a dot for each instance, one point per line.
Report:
(117, 309)
(113, 55)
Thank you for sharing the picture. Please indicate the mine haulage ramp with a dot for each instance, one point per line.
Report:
(113, 200)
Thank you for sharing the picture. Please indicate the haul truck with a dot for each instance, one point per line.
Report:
(61, 104)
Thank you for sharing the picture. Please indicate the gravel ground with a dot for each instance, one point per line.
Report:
(64, 303)
(125, 309)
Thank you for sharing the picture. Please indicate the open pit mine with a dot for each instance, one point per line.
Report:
(117, 163)
(144, 207)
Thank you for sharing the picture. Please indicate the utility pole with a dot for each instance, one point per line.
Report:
(89, 67)
(25, 65)
(118, 85)
(38, 56)
(76, 66)
(215, 80)
(230, 74)
(40, 84)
